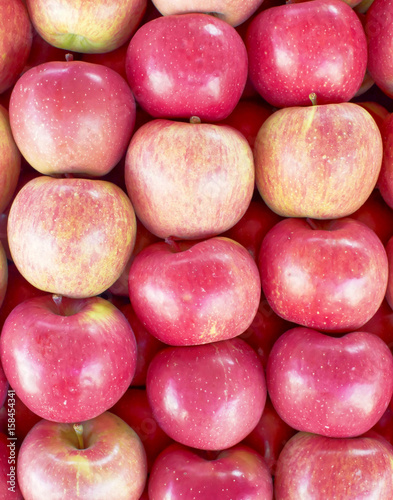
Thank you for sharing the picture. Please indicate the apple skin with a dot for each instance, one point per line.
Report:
(239, 472)
(335, 387)
(112, 464)
(389, 291)
(337, 150)
(68, 361)
(208, 397)
(9, 487)
(200, 187)
(25, 419)
(381, 324)
(182, 66)
(71, 237)
(86, 25)
(327, 275)
(385, 180)
(3, 274)
(206, 293)
(299, 48)
(312, 466)
(72, 117)
(16, 36)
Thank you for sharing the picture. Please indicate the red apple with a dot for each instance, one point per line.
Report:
(389, 291)
(71, 237)
(239, 472)
(189, 180)
(336, 387)
(3, 274)
(327, 275)
(299, 48)
(384, 426)
(204, 293)
(208, 397)
(68, 360)
(312, 466)
(9, 488)
(381, 324)
(3, 386)
(72, 117)
(376, 110)
(107, 461)
(385, 181)
(318, 161)
(24, 418)
(86, 25)
(115, 59)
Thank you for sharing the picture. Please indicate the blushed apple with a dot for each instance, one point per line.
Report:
(10, 160)
(9, 487)
(385, 180)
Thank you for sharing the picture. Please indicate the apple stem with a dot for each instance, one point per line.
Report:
(69, 57)
(195, 120)
(78, 428)
(313, 98)
(173, 244)
(57, 299)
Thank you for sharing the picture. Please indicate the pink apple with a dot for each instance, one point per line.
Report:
(108, 461)
(381, 324)
(10, 160)
(203, 293)
(389, 291)
(299, 48)
(189, 180)
(71, 237)
(72, 117)
(9, 487)
(208, 397)
(385, 181)
(68, 360)
(24, 418)
(327, 275)
(182, 66)
(3, 274)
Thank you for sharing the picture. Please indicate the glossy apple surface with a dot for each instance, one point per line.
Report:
(189, 180)
(72, 117)
(327, 275)
(385, 181)
(208, 397)
(110, 464)
(10, 160)
(299, 48)
(312, 466)
(3, 274)
(68, 360)
(318, 161)
(71, 237)
(239, 472)
(206, 293)
(336, 387)
(25, 419)
(389, 291)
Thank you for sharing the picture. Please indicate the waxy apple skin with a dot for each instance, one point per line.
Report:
(318, 161)
(208, 397)
(200, 187)
(385, 181)
(72, 117)
(68, 362)
(312, 466)
(206, 293)
(300, 48)
(71, 237)
(238, 472)
(327, 275)
(336, 387)
(111, 466)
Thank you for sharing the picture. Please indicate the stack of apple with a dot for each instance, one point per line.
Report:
(194, 270)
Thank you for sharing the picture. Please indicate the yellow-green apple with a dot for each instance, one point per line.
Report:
(299, 48)
(86, 25)
(16, 35)
(335, 387)
(100, 459)
(72, 117)
(208, 396)
(313, 466)
(68, 359)
(181, 472)
(182, 66)
(71, 237)
(9, 488)
(10, 160)
(319, 161)
(327, 275)
(202, 293)
(230, 11)
(189, 180)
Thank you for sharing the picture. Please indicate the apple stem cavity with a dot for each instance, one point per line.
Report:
(78, 428)
(69, 57)
(57, 299)
(312, 223)
(195, 120)
(175, 247)
(313, 98)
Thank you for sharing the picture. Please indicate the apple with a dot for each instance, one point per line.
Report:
(312, 466)
(68, 360)
(208, 397)
(300, 48)
(238, 472)
(9, 487)
(318, 161)
(385, 180)
(204, 293)
(189, 180)
(104, 461)
(336, 387)
(71, 237)
(16, 36)
(88, 25)
(327, 275)
(72, 117)
(389, 291)
(384, 426)
(376, 110)
(24, 418)
(381, 324)
(3, 274)
(3, 386)
(115, 59)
